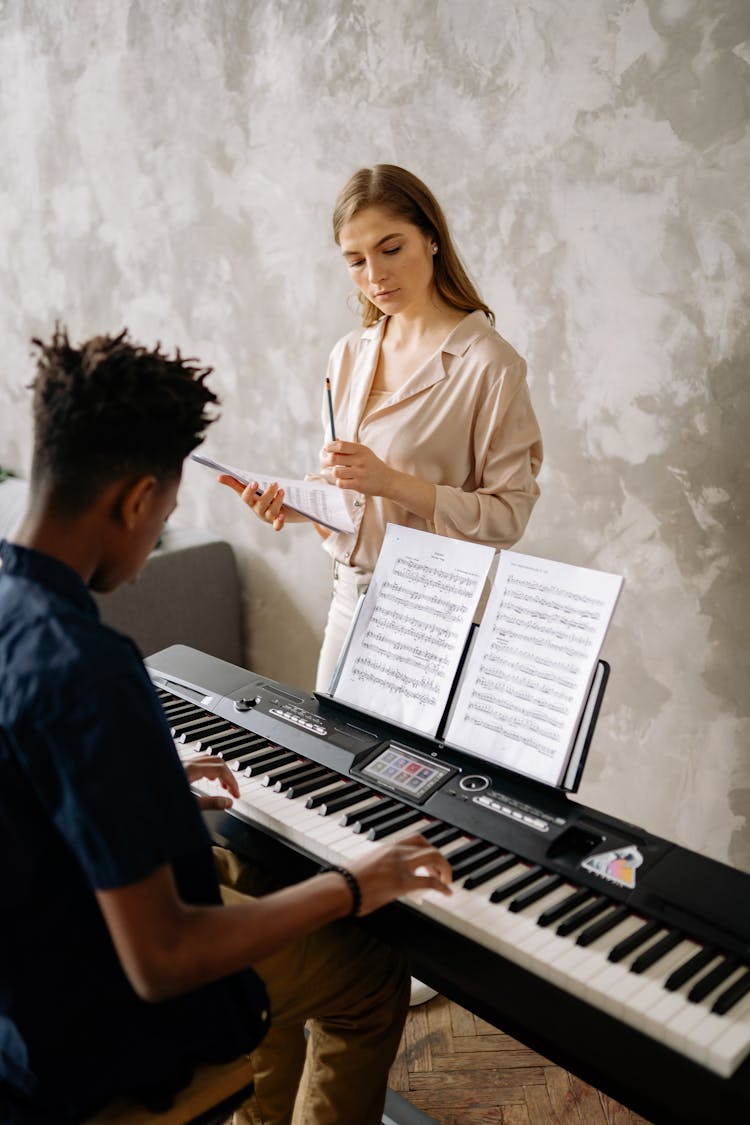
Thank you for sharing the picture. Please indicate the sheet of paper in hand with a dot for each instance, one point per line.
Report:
(318, 500)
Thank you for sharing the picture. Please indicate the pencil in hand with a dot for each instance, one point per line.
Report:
(330, 408)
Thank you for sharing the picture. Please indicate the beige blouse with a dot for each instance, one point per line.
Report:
(463, 420)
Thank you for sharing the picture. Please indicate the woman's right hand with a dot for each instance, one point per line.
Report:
(267, 506)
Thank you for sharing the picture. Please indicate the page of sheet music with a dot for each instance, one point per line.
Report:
(317, 499)
(410, 633)
(524, 686)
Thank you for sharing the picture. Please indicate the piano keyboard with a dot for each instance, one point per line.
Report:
(689, 994)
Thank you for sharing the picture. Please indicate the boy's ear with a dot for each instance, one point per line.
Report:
(135, 499)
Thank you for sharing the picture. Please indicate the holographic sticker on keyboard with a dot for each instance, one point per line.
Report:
(618, 866)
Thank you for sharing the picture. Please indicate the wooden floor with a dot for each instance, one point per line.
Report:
(462, 1071)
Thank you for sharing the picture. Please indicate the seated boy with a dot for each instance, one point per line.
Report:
(120, 969)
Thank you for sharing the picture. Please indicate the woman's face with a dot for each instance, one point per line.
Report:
(389, 260)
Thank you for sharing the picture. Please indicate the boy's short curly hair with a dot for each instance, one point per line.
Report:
(110, 408)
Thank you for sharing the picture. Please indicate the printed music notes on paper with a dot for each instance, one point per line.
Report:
(316, 499)
(525, 683)
(406, 645)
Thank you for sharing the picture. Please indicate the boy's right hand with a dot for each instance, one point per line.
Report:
(394, 870)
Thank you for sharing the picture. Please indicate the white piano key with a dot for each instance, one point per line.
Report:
(651, 991)
(679, 1031)
(673, 1002)
(581, 963)
(732, 1045)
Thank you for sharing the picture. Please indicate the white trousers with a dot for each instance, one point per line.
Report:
(349, 582)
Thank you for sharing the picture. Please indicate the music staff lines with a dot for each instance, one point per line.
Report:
(440, 607)
(558, 591)
(460, 583)
(541, 640)
(417, 658)
(413, 627)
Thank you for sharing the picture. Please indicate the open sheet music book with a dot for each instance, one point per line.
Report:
(518, 693)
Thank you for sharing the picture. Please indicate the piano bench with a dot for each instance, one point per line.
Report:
(215, 1091)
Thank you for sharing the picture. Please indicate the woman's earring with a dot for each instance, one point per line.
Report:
(434, 248)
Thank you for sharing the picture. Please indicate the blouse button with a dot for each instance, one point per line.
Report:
(346, 554)
(357, 503)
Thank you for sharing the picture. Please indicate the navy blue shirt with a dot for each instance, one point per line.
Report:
(92, 797)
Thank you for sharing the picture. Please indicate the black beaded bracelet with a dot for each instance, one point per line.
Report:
(353, 886)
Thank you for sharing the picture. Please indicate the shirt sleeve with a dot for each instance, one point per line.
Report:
(507, 445)
(108, 773)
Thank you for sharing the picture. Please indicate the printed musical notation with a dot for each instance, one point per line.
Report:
(406, 645)
(525, 684)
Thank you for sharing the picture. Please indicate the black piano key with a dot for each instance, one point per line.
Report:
(321, 780)
(273, 760)
(574, 921)
(180, 722)
(292, 770)
(264, 752)
(517, 883)
(713, 979)
(198, 719)
(240, 749)
(693, 965)
(223, 728)
(282, 781)
(236, 740)
(465, 851)
(363, 820)
(352, 817)
(656, 951)
(201, 732)
(394, 824)
(493, 868)
(373, 807)
(335, 804)
(179, 710)
(228, 741)
(439, 834)
(560, 909)
(633, 941)
(276, 769)
(253, 757)
(311, 772)
(343, 791)
(726, 1000)
(602, 926)
(435, 829)
(474, 862)
(533, 894)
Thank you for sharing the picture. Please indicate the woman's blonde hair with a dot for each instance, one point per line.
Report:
(401, 193)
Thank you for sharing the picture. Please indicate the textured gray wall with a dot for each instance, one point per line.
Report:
(171, 166)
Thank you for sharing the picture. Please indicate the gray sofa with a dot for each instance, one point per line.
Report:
(188, 592)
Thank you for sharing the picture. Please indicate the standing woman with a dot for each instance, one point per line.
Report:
(434, 425)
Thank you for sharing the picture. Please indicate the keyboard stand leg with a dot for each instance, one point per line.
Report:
(400, 1112)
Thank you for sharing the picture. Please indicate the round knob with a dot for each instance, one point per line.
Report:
(474, 783)
(246, 704)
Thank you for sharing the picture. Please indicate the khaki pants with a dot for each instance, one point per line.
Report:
(352, 992)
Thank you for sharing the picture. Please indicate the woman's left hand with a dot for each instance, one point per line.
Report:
(216, 769)
(347, 464)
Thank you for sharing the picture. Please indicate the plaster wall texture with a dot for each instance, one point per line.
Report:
(172, 167)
